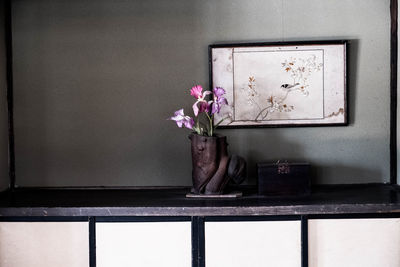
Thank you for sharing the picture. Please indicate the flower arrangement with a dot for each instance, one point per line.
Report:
(203, 109)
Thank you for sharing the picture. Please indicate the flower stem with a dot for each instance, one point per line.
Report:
(210, 133)
(197, 127)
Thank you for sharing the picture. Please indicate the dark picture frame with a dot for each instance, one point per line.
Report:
(281, 84)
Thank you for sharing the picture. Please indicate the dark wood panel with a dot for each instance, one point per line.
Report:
(327, 199)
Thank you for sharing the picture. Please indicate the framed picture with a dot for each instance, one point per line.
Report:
(281, 84)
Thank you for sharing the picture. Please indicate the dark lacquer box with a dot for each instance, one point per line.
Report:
(284, 179)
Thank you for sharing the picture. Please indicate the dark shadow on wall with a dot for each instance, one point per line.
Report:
(332, 158)
(355, 174)
(262, 146)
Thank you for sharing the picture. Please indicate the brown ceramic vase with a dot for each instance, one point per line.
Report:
(210, 162)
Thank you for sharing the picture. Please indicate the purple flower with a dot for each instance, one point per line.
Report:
(182, 120)
(219, 100)
(218, 92)
(204, 107)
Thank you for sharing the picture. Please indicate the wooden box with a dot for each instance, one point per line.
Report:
(284, 179)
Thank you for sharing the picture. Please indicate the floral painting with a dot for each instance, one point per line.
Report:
(281, 85)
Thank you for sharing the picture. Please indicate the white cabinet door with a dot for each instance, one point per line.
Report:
(354, 243)
(143, 244)
(253, 244)
(44, 244)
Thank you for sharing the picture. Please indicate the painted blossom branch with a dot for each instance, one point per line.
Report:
(271, 99)
(300, 70)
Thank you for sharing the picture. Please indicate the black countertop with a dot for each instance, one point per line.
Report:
(327, 199)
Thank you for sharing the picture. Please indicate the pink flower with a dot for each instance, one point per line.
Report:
(201, 105)
(196, 91)
(182, 120)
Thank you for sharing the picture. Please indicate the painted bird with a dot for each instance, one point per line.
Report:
(288, 86)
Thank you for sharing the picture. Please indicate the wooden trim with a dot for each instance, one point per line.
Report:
(393, 90)
(304, 241)
(99, 188)
(253, 218)
(198, 242)
(355, 216)
(292, 43)
(92, 241)
(130, 219)
(44, 219)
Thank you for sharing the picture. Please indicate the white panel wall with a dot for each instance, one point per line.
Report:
(166, 244)
(253, 244)
(44, 244)
(354, 243)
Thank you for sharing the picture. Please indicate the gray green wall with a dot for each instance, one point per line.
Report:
(95, 81)
(4, 181)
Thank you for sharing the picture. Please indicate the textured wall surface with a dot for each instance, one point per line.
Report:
(3, 107)
(96, 80)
